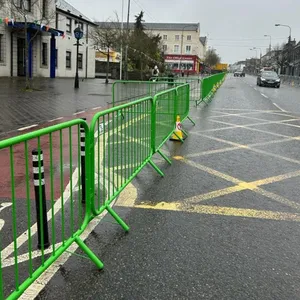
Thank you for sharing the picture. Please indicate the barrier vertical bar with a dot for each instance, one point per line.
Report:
(40, 193)
(82, 161)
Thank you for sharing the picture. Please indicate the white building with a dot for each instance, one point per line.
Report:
(182, 45)
(51, 51)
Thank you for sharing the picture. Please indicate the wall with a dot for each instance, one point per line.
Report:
(171, 41)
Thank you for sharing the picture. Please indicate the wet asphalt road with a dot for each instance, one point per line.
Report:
(222, 224)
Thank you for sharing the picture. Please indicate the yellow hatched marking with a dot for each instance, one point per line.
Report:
(224, 211)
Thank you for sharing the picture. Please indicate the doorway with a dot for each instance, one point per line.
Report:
(21, 57)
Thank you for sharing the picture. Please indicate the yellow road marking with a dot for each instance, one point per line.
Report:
(242, 185)
(250, 148)
(224, 211)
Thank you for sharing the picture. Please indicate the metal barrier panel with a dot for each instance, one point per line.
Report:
(194, 82)
(127, 91)
(208, 84)
(42, 212)
(183, 101)
(122, 147)
(164, 117)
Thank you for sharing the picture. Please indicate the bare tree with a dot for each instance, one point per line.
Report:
(107, 36)
(40, 12)
(212, 58)
(278, 57)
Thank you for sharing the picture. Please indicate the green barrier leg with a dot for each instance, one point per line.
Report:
(156, 168)
(89, 253)
(117, 218)
(192, 120)
(184, 132)
(181, 140)
(164, 157)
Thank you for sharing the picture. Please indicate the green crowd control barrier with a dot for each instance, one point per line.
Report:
(210, 85)
(62, 177)
(121, 152)
(194, 82)
(126, 91)
(53, 215)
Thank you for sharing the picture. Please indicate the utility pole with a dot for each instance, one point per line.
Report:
(122, 41)
(126, 49)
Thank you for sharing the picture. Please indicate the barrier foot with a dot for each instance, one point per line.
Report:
(192, 120)
(164, 157)
(185, 133)
(89, 253)
(156, 168)
(117, 218)
(181, 140)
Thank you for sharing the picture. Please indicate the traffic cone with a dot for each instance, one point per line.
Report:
(179, 134)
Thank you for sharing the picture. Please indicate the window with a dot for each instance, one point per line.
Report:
(165, 48)
(165, 37)
(176, 48)
(68, 59)
(177, 37)
(188, 49)
(44, 54)
(27, 5)
(56, 21)
(45, 4)
(1, 47)
(80, 61)
(81, 25)
(69, 25)
(189, 37)
(56, 53)
(23, 4)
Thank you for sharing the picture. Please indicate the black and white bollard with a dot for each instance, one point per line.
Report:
(82, 156)
(40, 192)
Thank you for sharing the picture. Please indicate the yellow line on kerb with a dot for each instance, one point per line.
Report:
(224, 211)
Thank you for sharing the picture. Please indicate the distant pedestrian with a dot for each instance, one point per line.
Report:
(155, 73)
(182, 72)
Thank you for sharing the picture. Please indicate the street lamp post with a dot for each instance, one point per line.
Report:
(289, 43)
(270, 45)
(182, 43)
(78, 33)
(260, 53)
(281, 25)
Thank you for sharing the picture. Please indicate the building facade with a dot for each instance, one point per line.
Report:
(182, 45)
(47, 50)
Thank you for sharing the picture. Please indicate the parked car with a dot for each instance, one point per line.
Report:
(268, 78)
(239, 74)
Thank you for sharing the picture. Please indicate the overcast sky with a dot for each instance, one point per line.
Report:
(232, 26)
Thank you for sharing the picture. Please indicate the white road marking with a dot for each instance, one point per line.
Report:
(98, 107)
(27, 127)
(53, 120)
(78, 113)
(255, 88)
(279, 107)
(264, 95)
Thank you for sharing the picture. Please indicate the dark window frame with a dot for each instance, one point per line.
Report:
(1, 47)
(44, 54)
(44, 8)
(80, 61)
(69, 25)
(56, 58)
(68, 59)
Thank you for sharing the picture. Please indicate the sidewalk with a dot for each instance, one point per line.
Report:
(52, 99)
